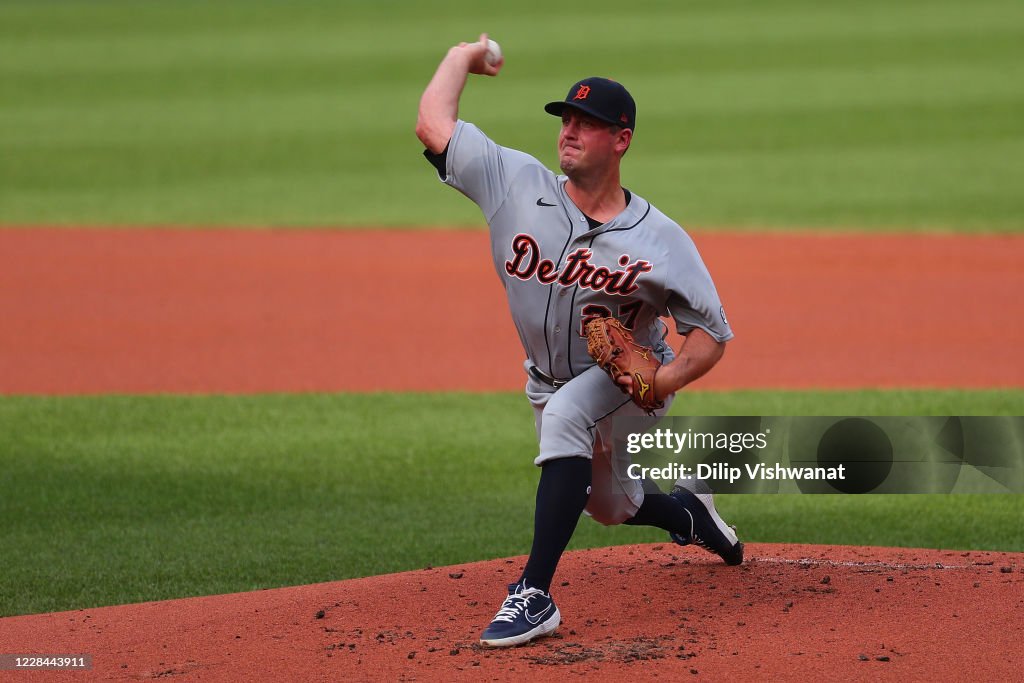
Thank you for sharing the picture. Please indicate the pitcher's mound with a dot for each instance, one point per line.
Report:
(791, 612)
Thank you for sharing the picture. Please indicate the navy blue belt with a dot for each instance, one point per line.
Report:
(546, 378)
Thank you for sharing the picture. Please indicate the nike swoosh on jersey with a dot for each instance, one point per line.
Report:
(541, 202)
(535, 618)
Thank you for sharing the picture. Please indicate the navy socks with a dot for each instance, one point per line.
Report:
(561, 496)
(663, 511)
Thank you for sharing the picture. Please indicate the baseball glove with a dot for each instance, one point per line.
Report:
(611, 345)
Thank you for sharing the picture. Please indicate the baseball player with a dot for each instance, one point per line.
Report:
(568, 249)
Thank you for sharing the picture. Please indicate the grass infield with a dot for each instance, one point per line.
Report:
(850, 114)
(116, 499)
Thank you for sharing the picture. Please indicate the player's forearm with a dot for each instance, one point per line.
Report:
(439, 105)
(698, 354)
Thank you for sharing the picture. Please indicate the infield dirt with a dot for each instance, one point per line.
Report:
(101, 311)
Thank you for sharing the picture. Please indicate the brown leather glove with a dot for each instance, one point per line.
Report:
(611, 345)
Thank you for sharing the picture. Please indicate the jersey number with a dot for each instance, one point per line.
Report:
(627, 314)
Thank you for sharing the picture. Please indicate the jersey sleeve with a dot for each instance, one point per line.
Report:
(481, 169)
(691, 297)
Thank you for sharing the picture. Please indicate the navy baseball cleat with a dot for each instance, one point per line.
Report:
(707, 530)
(527, 613)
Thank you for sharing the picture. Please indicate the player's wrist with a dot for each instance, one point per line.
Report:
(667, 381)
(468, 57)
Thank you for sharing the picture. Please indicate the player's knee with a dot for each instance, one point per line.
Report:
(610, 510)
(610, 517)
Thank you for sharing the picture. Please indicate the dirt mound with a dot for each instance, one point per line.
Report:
(790, 612)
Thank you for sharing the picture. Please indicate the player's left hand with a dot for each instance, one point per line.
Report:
(613, 348)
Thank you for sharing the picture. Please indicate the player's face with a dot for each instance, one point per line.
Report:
(586, 143)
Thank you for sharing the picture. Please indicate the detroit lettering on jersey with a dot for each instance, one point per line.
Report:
(559, 270)
(527, 264)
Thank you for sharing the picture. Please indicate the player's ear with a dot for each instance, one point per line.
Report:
(622, 139)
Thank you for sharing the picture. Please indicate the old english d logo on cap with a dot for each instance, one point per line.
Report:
(602, 98)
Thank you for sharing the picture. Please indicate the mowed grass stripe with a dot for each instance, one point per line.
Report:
(261, 113)
(742, 22)
(188, 67)
(117, 499)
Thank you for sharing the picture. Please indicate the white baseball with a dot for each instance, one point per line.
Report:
(493, 55)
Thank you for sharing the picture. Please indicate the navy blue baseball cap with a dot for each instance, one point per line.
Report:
(601, 98)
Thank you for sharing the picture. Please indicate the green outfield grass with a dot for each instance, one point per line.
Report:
(862, 114)
(109, 500)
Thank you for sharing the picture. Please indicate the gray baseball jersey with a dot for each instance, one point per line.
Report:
(558, 272)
